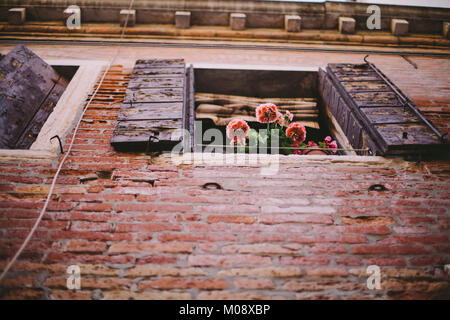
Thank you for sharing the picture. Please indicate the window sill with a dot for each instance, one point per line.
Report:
(231, 159)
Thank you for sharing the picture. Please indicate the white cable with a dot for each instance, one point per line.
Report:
(50, 192)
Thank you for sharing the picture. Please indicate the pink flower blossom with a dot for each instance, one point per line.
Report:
(328, 139)
(280, 118)
(237, 131)
(289, 115)
(267, 113)
(284, 120)
(296, 131)
(333, 146)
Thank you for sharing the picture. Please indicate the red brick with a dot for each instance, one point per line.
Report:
(262, 248)
(197, 237)
(147, 227)
(370, 229)
(84, 246)
(231, 219)
(423, 239)
(255, 238)
(326, 272)
(400, 262)
(253, 284)
(227, 260)
(183, 283)
(228, 209)
(348, 261)
(410, 230)
(327, 248)
(157, 259)
(173, 247)
(380, 249)
(90, 226)
(57, 257)
(304, 261)
(91, 235)
(328, 238)
(189, 217)
(139, 207)
(299, 218)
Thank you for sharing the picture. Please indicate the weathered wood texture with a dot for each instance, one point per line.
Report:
(222, 108)
(371, 114)
(29, 90)
(153, 106)
(189, 110)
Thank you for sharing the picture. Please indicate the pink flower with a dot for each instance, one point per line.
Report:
(284, 120)
(333, 146)
(296, 131)
(289, 115)
(267, 113)
(328, 139)
(280, 118)
(312, 144)
(237, 131)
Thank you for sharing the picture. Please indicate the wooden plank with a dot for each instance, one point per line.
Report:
(166, 63)
(145, 83)
(354, 131)
(189, 111)
(365, 86)
(151, 135)
(359, 77)
(376, 99)
(390, 115)
(158, 72)
(154, 95)
(148, 111)
(417, 134)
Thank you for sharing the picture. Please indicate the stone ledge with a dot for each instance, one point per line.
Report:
(142, 32)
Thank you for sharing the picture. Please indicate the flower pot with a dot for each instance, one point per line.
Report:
(314, 152)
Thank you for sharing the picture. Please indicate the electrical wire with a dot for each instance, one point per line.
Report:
(52, 187)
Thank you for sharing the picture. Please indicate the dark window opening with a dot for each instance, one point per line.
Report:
(225, 94)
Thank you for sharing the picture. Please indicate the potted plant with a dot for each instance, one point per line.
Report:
(291, 135)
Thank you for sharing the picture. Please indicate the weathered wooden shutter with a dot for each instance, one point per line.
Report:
(374, 113)
(154, 107)
(29, 90)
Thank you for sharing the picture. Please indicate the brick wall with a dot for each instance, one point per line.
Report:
(144, 229)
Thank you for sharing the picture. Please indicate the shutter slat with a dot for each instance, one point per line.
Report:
(152, 109)
(148, 111)
(144, 83)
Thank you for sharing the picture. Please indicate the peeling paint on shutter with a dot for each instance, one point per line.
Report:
(153, 106)
(29, 90)
(373, 115)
